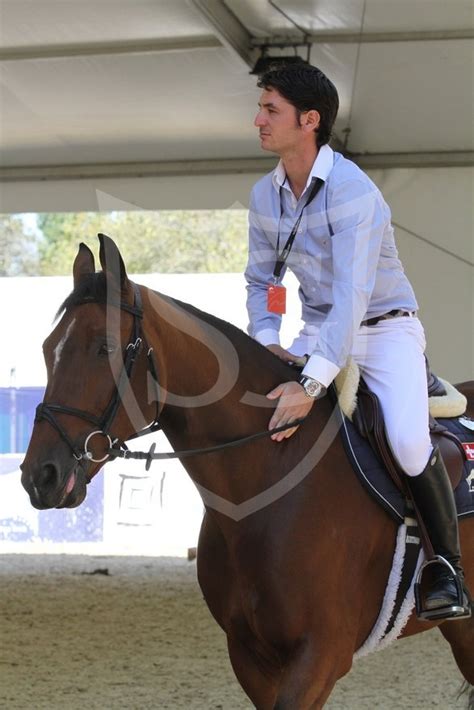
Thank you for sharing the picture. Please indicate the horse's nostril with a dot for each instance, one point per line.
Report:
(49, 476)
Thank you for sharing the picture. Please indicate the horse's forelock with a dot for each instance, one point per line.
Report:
(92, 287)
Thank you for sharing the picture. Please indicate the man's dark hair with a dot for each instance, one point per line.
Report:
(307, 88)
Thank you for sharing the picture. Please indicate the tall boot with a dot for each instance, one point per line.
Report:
(433, 495)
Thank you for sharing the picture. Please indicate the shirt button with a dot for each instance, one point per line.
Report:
(300, 230)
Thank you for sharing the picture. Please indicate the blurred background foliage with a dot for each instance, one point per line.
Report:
(191, 241)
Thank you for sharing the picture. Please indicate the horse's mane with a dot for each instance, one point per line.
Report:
(93, 287)
(238, 337)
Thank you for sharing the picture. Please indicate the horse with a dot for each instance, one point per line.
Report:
(293, 555)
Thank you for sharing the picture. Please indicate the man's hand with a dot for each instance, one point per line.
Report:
(286, 356)
(293, 404)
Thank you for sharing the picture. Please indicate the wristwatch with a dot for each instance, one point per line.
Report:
(312, 388)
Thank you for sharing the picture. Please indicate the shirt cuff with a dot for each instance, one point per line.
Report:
(268, 337)
(320, 369)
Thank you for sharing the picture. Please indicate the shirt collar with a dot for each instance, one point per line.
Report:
(322, 166)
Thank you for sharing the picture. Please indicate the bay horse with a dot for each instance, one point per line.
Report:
(293, 554)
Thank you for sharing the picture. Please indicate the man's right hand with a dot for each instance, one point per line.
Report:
(286, 356)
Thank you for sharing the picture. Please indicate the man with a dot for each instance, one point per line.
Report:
(321, 215)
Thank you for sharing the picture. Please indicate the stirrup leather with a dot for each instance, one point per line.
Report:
(457, 610)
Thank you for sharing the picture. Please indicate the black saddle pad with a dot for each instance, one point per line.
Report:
(373, 476)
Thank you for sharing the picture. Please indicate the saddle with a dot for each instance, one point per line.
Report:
(368, 420)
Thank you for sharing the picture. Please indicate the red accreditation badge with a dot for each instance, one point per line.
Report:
(276, 299)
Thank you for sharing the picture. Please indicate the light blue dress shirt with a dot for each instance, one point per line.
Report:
(344, 258)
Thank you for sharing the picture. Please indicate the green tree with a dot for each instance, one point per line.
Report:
(18, 253)
(192, 241)
(62, 233)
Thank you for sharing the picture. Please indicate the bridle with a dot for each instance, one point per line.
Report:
(117, 448)
(47, 411)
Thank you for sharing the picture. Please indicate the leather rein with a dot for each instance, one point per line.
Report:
(116, 448)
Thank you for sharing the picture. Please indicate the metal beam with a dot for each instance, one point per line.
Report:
(228, 28)
(233, 35)
(87, 49)
(438, 159)
(296, 38)
(185, 168)
(231, 166)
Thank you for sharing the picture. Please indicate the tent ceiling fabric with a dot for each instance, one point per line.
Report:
(146, 81)
(346, 15)
(40, 22)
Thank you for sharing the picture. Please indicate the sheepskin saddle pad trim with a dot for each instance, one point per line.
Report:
(452, 404)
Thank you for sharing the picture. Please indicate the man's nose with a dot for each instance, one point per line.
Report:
(259, 120)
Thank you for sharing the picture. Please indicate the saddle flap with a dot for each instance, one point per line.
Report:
(451, 450)
(368, 420)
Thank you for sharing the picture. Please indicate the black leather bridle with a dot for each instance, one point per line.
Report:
(117, 448)
(47, 411)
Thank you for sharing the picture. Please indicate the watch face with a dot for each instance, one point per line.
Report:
(312, 387)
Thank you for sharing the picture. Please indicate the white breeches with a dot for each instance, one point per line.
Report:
(391, 358)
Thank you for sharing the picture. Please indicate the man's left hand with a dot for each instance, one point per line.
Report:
(293, 404)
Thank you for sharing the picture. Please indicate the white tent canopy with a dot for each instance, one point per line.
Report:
(101, 95)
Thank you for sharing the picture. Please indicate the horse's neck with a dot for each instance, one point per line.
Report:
(204, 373)
(213, 395)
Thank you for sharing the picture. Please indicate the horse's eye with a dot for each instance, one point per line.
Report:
(107, 349)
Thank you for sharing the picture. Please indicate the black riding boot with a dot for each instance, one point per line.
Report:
(433, 496)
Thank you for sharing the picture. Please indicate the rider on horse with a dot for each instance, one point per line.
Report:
(318, 213)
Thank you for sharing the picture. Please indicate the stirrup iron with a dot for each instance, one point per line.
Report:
(457, 610)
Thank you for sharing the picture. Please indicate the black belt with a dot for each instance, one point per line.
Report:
(397, 313)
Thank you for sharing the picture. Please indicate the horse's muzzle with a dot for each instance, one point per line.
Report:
(49, 488)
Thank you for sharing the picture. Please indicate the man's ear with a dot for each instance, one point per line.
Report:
(310, 120)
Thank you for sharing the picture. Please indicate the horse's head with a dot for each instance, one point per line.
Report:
(89, 358)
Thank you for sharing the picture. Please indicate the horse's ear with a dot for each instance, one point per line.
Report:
(83, 264)
(111, 261)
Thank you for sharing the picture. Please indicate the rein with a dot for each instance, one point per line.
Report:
(116, 448)
(150, 456)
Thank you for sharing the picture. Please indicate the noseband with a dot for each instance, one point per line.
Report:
(46, 411)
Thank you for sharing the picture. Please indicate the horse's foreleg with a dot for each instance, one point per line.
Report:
(310, 675)
(258, 675)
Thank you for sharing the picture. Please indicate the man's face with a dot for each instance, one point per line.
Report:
(277, 123)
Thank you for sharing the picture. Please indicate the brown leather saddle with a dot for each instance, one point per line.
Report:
(368, 419)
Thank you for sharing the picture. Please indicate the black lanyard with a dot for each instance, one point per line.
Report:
(283, 255)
